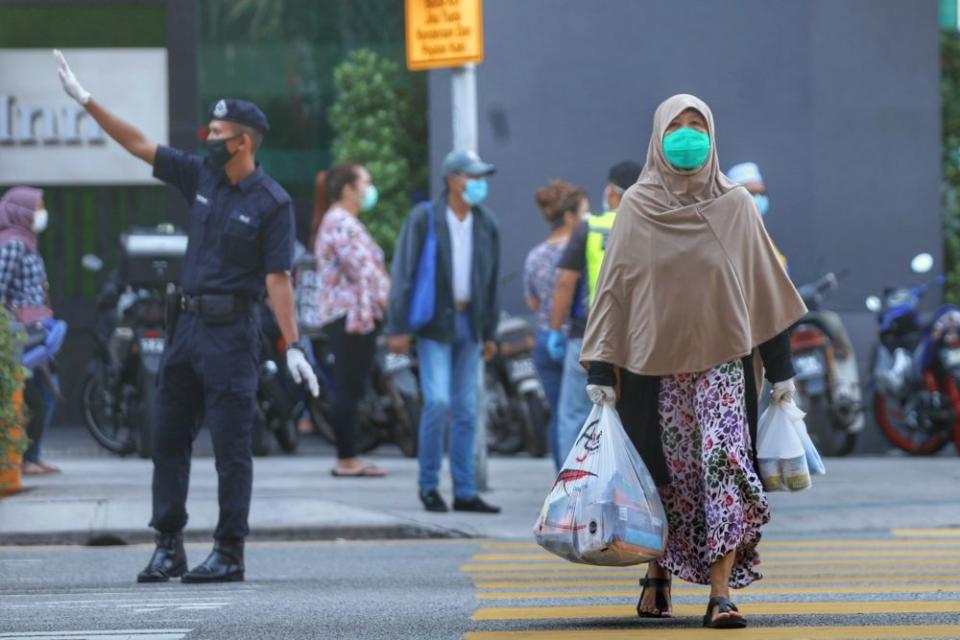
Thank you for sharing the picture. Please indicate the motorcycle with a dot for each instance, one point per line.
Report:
(120, 390)
(916, 366)
(828, 386)
(280, 402)
(516, 404)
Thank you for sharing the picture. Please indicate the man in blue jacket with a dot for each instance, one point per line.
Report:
(464, 323)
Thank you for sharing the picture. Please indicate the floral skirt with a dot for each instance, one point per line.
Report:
(715, 502)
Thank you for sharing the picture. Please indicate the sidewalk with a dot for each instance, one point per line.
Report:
(103, 499)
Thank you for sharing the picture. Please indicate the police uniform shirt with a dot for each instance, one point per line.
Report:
(238, 233)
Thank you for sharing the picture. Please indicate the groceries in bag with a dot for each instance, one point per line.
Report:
(780, 448)
(603, 508)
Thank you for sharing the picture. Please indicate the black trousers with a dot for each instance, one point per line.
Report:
(353, 360)
(208, 376)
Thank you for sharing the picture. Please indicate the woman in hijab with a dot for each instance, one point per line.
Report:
(690, 289)
(23, 291)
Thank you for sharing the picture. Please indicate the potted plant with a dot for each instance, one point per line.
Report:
(13, 441)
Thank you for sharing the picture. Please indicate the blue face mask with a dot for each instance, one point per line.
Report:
(476, 191)
(763, 202)
(370, 197)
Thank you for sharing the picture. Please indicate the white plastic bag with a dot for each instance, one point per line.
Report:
(814, 461)
(603, 508)
(780, 449)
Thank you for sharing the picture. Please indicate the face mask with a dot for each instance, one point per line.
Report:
(217, 150)
(40, 218)
(370, 197)
(686, 148)
(763, 202)
(476, 191)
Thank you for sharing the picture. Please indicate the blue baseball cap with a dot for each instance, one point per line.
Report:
(241, 112)
(466, 162)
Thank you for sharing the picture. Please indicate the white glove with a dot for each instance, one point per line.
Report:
(300, 370)
(599, 394)
(70, 83)
(783, 391)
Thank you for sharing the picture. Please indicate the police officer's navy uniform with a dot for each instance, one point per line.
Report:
(238, 234)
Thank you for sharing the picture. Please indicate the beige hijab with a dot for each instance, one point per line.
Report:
(690, 278)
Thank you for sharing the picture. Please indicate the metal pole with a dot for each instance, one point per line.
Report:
(463, 85)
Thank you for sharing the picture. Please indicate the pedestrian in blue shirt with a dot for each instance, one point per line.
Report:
(241, 230)
(463, 326)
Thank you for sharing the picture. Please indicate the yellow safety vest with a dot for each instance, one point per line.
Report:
(598, 230)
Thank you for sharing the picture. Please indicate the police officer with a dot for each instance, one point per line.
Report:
(241, 232)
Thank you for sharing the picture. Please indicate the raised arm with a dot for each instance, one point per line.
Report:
(126, 135)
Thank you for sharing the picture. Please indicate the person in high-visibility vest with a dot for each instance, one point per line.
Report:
(748, 174)
(577, 274)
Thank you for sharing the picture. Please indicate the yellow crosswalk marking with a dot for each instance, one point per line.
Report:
(543, 556)
(754, 609)
(944, 583)
(893, 543)
(886, 560)
(639, 631)
(788, 575)
(585, 593)
(949, 532)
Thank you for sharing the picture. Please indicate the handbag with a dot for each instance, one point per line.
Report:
(423, 297)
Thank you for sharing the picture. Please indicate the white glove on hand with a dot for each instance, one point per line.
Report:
(783, 391)
(70, 83)
(300, 370)
(599, 394)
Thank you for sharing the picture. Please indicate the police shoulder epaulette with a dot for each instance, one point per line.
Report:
(276, 191)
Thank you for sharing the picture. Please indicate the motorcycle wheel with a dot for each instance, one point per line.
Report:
(504, 434)
(259, 442)
(148, 413)
(829, 440)
(369, 430)
(536, 419)
(901, 435)
(406, 421)
(319, 409)
(287, 434)
(96, 418)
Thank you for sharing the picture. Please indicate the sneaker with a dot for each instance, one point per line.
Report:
(475, 504)
(433, 501)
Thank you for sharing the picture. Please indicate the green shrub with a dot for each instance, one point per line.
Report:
(950, 89)
(379, 123)
(12, 438)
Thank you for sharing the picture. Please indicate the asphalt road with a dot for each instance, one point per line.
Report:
(902, 584)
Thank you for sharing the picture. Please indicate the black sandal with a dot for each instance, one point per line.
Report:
(723, 605)
(663, 606)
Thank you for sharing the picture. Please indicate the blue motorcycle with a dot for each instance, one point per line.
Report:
(916, 366)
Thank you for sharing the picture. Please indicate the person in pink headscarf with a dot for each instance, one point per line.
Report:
(23, 291)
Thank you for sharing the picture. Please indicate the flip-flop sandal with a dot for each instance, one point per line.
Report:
(49, 468)
(368, 471)
(723, 605)
(658, 585)
(33, 469)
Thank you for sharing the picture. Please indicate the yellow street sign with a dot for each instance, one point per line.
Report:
(443, 33)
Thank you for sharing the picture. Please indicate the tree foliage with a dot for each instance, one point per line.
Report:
(950, 88)
(378, 123)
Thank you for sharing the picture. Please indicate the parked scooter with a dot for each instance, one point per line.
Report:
(516, 404)
(119, 393)
(828, 383)
(916, 367)
(280, 401)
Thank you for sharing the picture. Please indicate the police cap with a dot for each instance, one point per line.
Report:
(241, 112)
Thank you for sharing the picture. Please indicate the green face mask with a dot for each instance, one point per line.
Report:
(686, 148)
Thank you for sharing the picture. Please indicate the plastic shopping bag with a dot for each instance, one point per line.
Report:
(603, 508)
(780, 450)
(814, 461)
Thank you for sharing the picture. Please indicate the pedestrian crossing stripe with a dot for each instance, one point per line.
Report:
(756, 609)
(519, 583)
(899, 632)
(947, 532)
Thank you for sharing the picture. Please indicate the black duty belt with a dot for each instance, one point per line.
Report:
(215, 306)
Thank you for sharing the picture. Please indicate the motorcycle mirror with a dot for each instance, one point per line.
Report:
(922, 263)
(874, 304)
(92, 263)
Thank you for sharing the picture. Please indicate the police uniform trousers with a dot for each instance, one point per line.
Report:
(208, 376)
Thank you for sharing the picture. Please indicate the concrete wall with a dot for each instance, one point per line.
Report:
(837, 101)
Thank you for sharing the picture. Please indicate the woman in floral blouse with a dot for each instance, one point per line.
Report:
(354, 286)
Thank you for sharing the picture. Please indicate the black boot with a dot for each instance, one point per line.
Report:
(224, 564)
(169, 559)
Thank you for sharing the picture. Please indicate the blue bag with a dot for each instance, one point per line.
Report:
(423, 298)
